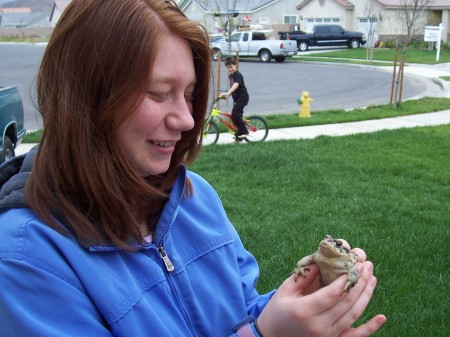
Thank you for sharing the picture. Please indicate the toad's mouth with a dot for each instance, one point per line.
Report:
(329, 250)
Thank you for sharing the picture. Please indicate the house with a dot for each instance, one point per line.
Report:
(383, 17)
(380, 17)
(270, 14)
(24, 19)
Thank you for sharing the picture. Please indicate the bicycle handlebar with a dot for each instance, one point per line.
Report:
(215, 100)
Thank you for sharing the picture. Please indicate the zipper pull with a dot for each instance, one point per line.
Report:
(169, 266)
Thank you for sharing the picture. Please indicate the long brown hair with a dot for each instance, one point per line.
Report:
(93, 76)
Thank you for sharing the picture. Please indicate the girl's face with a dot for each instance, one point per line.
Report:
(149, 136)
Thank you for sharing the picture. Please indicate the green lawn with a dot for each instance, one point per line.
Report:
(423, 105)
(386, 192)
(379, 54)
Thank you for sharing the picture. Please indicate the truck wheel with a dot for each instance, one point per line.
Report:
(280, 59)
(265, 56)
(215, 54)
(353, 44)
(302, 45)
(8, 148)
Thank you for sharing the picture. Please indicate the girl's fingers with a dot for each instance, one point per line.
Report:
(361, 254)
(353, 304)
(367, 328)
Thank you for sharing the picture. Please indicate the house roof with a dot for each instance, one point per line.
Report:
(433, 4)
(16, 10)
(245, 6)
(344, 3)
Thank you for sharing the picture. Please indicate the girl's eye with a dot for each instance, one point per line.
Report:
(158, 96)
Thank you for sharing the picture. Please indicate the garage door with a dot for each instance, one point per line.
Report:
(311, 22)
(368, 26)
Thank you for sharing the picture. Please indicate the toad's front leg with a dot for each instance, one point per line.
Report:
(303, 265)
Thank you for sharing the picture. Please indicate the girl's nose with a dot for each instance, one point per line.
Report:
(181, 116)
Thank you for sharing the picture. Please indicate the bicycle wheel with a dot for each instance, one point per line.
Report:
(257, 127)
(210, 133)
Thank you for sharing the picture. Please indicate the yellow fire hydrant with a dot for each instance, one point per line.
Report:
(305, 110)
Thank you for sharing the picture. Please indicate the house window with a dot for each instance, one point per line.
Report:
(290, 19)
(336, 20)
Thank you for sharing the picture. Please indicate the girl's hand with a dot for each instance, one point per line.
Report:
(303, 309)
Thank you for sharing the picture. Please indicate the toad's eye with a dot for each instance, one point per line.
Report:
(338, 243)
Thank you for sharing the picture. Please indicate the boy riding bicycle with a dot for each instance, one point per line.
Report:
(240, 96)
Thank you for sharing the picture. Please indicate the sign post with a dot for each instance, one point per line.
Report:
(433, 34)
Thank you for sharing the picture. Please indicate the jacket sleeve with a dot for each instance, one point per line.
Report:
(250, 273)
(25, 312)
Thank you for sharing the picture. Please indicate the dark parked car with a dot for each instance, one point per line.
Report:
(11, 122)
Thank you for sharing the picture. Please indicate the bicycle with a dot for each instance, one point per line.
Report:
(257, 127)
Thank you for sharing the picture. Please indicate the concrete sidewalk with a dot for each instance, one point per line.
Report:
(343, 129)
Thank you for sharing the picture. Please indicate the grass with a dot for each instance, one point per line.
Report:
(386, 192)
(423, 105)
(23, 39)
(379, 54)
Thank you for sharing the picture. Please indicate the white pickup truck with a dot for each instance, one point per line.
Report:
(254, 44)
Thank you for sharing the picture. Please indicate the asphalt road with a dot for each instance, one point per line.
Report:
(273, 87)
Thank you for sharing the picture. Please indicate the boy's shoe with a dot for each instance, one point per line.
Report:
(242, 136)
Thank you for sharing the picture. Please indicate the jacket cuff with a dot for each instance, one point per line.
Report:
(246, 328)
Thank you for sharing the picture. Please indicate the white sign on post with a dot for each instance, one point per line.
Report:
(433, 34)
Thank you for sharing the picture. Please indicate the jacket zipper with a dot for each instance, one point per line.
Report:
(170, 268)
(167, 263)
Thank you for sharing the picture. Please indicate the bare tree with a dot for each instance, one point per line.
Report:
(411, 11)
(223, 12)
(372, 14)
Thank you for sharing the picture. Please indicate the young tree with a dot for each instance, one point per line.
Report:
(372, 14)
(413, 20)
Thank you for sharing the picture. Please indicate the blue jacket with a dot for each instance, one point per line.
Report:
(51, 285)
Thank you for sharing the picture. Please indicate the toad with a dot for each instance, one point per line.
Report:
(333, 260)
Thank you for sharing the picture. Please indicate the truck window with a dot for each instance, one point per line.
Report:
(322, 30)
(235, 37)
(258, 36)
(245, 37)
(336, 30)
